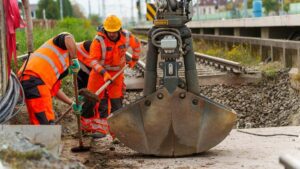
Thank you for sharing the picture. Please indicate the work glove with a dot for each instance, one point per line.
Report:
(75, 67)
(131, 64)
(106, 77)
(77, 108)
(80, 98)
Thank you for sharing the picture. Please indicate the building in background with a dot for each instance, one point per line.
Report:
(33, 8)
(205, 7)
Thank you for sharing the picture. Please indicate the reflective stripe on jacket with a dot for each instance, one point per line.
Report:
(109, 55)
(48, 62)
(82, 54)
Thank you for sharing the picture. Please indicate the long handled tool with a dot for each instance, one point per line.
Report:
(87, 94)
(91, 96)
(81, 147)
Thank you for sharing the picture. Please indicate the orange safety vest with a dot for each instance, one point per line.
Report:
(83, 57)
(112, 55)
(48, 62)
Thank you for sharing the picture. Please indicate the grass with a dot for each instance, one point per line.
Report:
(80, 28)
(271, 70)
(16, 159)
(238, 53)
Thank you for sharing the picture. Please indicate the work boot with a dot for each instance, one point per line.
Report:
(98, 135)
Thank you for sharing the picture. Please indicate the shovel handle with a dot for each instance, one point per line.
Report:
(77, 115)
(110, 81)
(63, 115)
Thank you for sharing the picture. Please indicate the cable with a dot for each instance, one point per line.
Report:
(13, 95)
(268, 135)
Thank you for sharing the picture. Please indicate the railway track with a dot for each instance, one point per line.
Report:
(206, 66)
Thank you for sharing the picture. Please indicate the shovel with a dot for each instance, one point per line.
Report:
(81, 147)
(88, 94)
(91, 96)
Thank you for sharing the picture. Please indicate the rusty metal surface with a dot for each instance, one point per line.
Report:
(172, 125)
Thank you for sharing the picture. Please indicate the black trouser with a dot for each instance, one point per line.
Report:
(82, 79)
(88, 107)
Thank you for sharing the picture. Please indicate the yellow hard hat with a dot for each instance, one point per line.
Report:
(112, 23)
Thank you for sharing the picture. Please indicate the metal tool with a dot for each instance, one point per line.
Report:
(89, 96)
(174, 119)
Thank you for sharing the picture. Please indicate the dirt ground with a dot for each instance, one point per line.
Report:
(105, 154)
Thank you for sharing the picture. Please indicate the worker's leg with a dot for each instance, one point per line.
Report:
(82, 79)
(115, 93)
(94, 83)
(38, 100)
(103, 108)
(116, 104)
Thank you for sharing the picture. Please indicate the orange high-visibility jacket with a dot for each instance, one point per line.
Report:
(83, 55)
(110, 56)
(48, 62)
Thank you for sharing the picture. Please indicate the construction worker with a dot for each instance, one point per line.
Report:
(83, 52)
(41, 76)
(107, 55)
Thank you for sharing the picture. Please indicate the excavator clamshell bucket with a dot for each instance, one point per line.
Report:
(171, 125)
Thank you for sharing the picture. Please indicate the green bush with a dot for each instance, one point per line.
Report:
(271, 70)
(238, 53)
(80, 28)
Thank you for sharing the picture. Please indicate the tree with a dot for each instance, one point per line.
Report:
(271, 5)
(95, 19)
(67, 8)
(51, 7)
(249, 4)
(77, 11)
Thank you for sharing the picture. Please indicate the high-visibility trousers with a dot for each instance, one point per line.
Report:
(38, 99)
(95, 123)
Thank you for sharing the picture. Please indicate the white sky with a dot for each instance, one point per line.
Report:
(121, 8)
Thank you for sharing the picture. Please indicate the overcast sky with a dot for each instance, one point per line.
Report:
(121, 8)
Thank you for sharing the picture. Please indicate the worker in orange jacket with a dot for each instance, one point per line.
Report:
(41, 76)
(107, 55)
(83, 54)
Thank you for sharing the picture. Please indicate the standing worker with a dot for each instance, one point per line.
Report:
(41, 77)
(108, 56)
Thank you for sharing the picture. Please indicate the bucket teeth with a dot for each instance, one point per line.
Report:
(166, 124)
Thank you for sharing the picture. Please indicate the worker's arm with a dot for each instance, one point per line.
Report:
(71, 46)
(95, 56)
(63, 97)
(72, 49)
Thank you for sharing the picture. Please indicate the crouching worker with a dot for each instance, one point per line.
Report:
(42, 74)
(83, 54)
(107, 52)
(91, 122)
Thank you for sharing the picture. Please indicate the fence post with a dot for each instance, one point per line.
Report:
(29, 29)
(3, 53)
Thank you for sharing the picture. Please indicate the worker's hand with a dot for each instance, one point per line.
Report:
(75, 67)
(131, 64)
(80, 98)
(77, 108)
(106, 77)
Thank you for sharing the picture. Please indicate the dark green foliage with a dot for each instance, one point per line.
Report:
(271, 5)
(52, 10)
(67, 8)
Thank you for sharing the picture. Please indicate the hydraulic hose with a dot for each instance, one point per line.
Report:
(14, 94)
